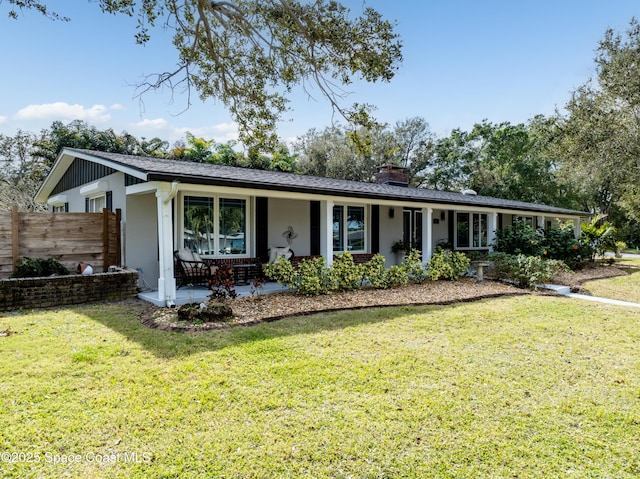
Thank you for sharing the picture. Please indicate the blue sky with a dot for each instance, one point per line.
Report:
(464, 61)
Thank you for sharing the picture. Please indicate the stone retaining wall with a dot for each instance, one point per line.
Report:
(17, 293)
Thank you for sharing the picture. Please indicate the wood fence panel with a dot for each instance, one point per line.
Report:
(67, 237)
(6, 244)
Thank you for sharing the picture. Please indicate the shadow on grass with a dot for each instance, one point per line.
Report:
(123, 317)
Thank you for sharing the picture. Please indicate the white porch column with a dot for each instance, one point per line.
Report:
(427, 236)
(326, 231)
(577, 230)
(492, 226)
(540, 222)
(166, 281)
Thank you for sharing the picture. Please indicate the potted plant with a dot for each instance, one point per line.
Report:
(401, 249)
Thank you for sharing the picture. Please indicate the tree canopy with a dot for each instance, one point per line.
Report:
(250, 54)
(599, 136)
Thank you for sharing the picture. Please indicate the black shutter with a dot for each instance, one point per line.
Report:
(109, 201)
(66, 207)
(314, 220)
(375, 228)
(451, 226)
(262, 227)
(86, 205)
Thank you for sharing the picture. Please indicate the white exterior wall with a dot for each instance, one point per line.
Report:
(115, 185)
(440, 231)
(141, 238)
(390, 232)
(295, 213)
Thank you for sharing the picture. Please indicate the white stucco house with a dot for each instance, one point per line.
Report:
(238, 213)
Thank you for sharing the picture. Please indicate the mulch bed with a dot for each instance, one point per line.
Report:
(271, 307)
(590, 272)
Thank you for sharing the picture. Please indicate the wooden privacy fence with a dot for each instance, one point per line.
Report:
(68, 237)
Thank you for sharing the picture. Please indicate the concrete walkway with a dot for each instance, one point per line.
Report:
(566, 291)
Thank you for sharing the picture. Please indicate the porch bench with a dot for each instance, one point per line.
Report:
(191, 270)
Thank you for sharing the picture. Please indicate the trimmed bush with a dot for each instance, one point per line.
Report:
(346, 275)
(374, 272)
(445, 264)
(416, 271)
(526, 271)
(312, 277)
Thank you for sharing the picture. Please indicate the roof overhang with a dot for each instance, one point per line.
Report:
(64, 161)
(152, 174)
(185, 180)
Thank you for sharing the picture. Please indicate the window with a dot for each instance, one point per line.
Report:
(233, 226)
(60, 208)
(349, 228)
(215, 226)
(471, 230)
(462, 228)
(96, 204)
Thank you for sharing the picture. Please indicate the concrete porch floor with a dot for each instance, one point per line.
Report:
(199, 294)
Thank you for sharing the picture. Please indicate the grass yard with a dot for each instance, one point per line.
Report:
(624, 288)
(522, 387)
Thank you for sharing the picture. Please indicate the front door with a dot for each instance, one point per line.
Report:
(412, 228)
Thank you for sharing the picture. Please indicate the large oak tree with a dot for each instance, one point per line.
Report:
(250, 54)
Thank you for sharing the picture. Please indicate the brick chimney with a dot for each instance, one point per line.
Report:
(392, 175)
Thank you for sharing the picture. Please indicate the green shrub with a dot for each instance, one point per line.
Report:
(520, 238)
(526, 271)
(374, 273)
(559, 242)
(346, 275)
(416, 271)
(395, 276)
(377, 276)
(38, 267)
(311, 278)
(445, 264)
(282, 272)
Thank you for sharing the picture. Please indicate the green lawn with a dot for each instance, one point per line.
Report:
(624, 288)
(523, 387)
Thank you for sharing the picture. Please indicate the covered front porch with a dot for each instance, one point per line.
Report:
(239, 227)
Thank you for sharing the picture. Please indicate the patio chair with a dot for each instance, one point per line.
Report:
(191, 269)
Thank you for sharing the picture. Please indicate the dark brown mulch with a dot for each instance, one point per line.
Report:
(591, 271)
(271, 307)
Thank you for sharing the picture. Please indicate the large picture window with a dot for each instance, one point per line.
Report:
(215, 226)
(471, 230)
(349, 228)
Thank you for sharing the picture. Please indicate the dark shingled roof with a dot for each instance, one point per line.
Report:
(202, 173)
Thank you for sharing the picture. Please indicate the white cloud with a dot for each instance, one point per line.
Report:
(160, 127)
(65, 112)
(3, 119)
(157, 124)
